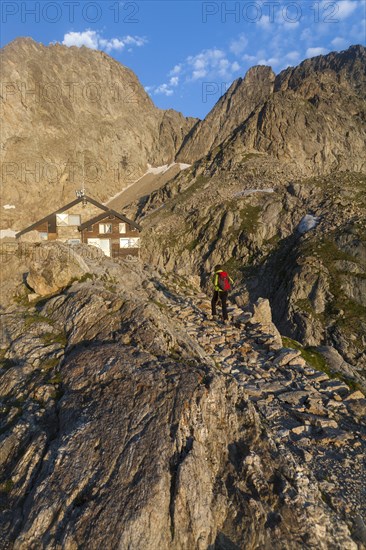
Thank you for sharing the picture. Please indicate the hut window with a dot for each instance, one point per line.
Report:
(105, 228)
(130, 243)
(67, 219)
(62, 219)
(122, 228)
(43, 235)
(74, 219)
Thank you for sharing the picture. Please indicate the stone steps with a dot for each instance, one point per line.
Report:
(302, 407)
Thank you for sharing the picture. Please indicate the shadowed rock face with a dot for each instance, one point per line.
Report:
(64, 108)
(120, 430)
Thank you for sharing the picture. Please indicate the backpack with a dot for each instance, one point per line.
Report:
(223, 281)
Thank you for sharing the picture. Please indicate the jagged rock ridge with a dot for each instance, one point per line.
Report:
(312, 115)
(234, 107)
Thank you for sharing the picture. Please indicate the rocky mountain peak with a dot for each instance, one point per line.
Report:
(347, 68)
(260, 74)
(241, 99)
(311, 115)
(85, 109)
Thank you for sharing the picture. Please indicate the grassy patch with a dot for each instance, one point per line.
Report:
(189, 191)
(7, 486)
(22, 299)
(316, 360)
(249, 218)
(311, 356)
(327, 250)
(273, 241)
(239, 270)
(35, 318)
(50, 364)
(305, 305)
(55, 380)
(51, 338)
(85, 277)
(354, 316)
(192, 245)
(173, 239)
(160, 305)
(250, 156)
(233, 266)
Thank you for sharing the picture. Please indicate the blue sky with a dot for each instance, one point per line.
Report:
(187, 53)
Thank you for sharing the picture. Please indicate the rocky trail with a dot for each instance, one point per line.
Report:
(130, 419)
(320, 420)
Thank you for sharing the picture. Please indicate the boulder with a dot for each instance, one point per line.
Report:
(262, 315)
(285, 356)
(54, 266)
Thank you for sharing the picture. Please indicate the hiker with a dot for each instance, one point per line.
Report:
(221, 282)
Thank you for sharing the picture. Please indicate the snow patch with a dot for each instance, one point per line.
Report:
(307, 223)
(7, 233)
(150, 170)
(165, 168)
(8, 206)
(159, 169)
(251, 191)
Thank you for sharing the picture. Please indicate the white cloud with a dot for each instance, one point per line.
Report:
(210, 63)
(94, 41)
(344, 8)
(307, 34)
(249, 58)
(290, 25)
(164, 90)
(113, 44)
(313, 52)
(272, 61)
(134, 40)
(292, 56)
(177, 69)
(339, 42)
(357, 32)
(264, 22)
(86, 38)
(238, 46)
